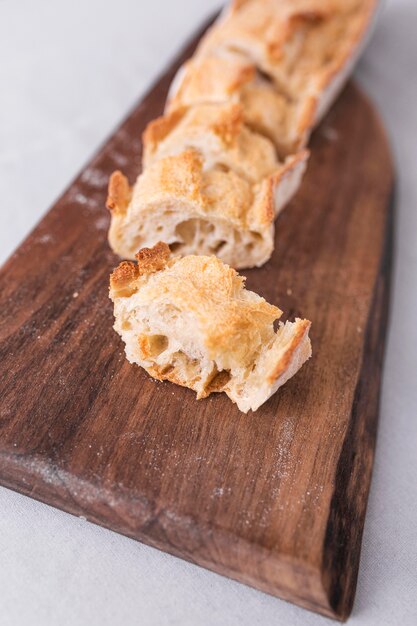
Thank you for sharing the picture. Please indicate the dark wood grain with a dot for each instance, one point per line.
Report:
(274, 499)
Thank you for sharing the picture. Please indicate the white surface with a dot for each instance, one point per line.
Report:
(68, 72)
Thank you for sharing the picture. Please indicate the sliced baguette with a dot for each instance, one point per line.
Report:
(284, 61)
(197, 211)
(190, 320)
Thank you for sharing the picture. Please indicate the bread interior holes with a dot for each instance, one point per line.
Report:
(256, 239)
(211, 238)
(192, 233)
(219, 381)
(185, 367)
(157, 344)
(221, 167)
(189, 368)
(219, 246)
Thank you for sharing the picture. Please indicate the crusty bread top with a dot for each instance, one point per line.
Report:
(263, 108)
(270, 23)
(215, 78)
(190, 320)
(119, 193)
(228, 155)
(180, 182)
(218, 132)
(300, 44)
(231, 319)
(149, 260)
(283, 61)
(224, 120)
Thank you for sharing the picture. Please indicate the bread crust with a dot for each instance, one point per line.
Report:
(218, 133)
(230, 151)
(297, 340)
(225, 122)
(191, 321)
(210, 79)
(176, 189)
(263, 28)
(119, 193)
(289, 42)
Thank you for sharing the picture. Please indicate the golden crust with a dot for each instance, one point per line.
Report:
(173, 177)
(122, 278)
(119, 193)
(264, 109)
(158, 129)
(290, 42)
(225, 121)
(152, 259)
(262, 28)
(264, 209)
(228, 125)
(306, 9)
(214, 211)
(350, 40)
(262, 77)
(149, 260)
(182, 181)
(284, 361)
(190, 320)
(202, 82)
(218, 133)
(214, 294)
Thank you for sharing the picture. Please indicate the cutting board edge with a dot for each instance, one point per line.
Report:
(32, 487)
(341, 601)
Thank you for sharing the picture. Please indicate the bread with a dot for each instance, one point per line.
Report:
(195, 210)
(273, 34)
(210, 185)
(218, 133)
(190, 320)
(265, 110)
(229, 153)
(291, 55)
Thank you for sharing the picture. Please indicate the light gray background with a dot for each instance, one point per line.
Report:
(69, 70)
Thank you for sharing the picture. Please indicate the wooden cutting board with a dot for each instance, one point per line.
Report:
(274, 499)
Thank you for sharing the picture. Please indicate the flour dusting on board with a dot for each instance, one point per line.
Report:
(95, 177)
(46, 238)
(83, 493)
(81, 198)
(102, 223)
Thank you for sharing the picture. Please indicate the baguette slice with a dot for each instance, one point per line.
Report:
(199, 211)
(293, 42)
(218, 133)
(229, 78)
(284, 60)
(273, 33)
(190, 320)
